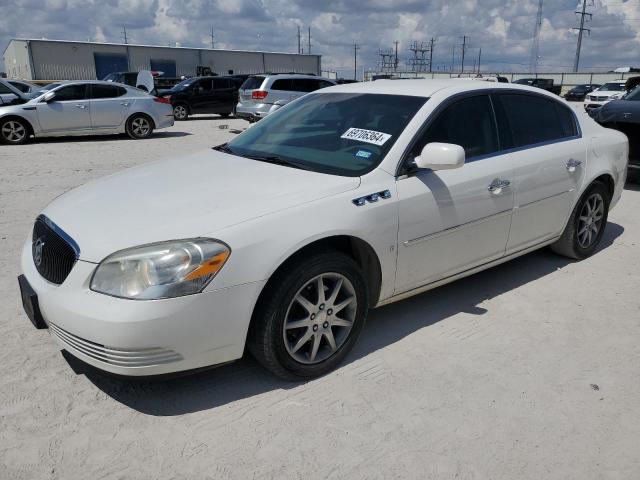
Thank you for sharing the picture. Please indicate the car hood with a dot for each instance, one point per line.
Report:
(184, 197)
(605, 93)
(618, 111)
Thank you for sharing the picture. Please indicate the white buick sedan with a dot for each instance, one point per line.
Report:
(281, 240)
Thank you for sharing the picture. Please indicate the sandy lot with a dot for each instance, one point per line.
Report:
(528, 371)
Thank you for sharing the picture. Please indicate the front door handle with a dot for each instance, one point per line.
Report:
(573, 164)
(80, 105)
(498, 186)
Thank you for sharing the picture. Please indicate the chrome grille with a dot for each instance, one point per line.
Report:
(54, 252)
(121, 357)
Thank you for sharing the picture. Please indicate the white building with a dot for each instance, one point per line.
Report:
(32, 59)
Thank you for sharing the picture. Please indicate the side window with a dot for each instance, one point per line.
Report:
(4, 89)
(324, 84)
(534, 119)
(71, 92)
(106, 91)
(20, 86)
(469, 123)
(282, 84)
(220, 83)
(305, 85)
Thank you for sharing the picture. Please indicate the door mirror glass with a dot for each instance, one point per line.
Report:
(440, 156)
(49, 96)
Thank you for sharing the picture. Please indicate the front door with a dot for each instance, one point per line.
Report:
(454, 220)
(548, 158)
(67, 112)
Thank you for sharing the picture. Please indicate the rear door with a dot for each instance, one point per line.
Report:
(224, 95)
(548, 156)
(67, 112)
(109, 105)
(281, 90)
(202, 99)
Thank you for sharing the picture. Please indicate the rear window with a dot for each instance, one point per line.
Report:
(252, 83)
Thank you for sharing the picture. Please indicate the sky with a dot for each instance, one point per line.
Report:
(502, 28)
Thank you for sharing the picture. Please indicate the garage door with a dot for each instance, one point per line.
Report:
(107, 63)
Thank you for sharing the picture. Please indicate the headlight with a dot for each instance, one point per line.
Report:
(161, 270)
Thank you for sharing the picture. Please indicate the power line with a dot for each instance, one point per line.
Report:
(581, 29)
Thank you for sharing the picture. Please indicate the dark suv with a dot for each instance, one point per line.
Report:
(203, 95)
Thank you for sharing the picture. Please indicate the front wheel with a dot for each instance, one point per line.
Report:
(586, 224)
(310, 317)
(13, 131)
(139, 127)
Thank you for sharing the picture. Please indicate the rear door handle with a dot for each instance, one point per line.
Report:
(573, 164)
(80, 105)
(498, 186)
(125, 104)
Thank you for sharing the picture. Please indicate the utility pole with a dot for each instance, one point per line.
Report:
(581, 29)
(309, 45)
(124, 32)
(453, 58)
(395, 61)
(355, 60)
(535, 46)
(299, 45)
(212, 44)
(433, 41)
(479, 59)
(464, 47)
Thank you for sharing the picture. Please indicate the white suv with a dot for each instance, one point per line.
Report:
(260, 95)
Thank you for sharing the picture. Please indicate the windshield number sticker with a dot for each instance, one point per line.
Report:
(363, 154)
(368, 136)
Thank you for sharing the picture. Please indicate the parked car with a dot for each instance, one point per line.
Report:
(351, 197)
(85, 108)
(543, 83)
(23, 86)
(10, 95)
(579, 92)
(624, 115)
(203, 95)
(147, 80)
(607, 92)
(44, 89)
(261, 95)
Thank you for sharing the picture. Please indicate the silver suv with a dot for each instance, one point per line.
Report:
(260, 95)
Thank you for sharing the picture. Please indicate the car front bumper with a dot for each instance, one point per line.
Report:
(142, 337)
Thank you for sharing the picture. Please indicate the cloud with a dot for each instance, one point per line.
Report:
(502, 28)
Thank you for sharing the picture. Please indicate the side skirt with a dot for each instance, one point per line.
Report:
(466, 273)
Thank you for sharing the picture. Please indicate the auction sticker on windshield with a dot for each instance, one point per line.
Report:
(368, 136)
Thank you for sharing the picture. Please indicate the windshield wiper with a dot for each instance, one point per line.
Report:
(277, 161)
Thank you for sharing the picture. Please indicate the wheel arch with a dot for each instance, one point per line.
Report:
(356, 248)
(139, 112)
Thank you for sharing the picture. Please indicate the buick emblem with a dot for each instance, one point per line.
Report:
(37, 251)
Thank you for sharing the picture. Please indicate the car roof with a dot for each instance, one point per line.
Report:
(426, 87)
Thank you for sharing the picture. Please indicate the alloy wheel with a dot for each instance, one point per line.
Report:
(319, 318)
(13, 131)
(140, 126)
(590, 220)
(180, 112)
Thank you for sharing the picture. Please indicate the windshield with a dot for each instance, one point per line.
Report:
(634, 94)
(183, 84)
(337, 133)
(612, 87)
(524, 81)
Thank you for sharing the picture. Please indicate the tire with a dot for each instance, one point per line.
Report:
(281, 322)
(139, 127)
(14, 131)
(180, 112)
(586, 225)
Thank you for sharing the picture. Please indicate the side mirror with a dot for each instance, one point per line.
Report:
(49, 96)
(440, 156)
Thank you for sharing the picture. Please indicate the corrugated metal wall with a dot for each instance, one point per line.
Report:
(53, 60)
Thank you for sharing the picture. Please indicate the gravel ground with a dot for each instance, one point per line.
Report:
(529, 370)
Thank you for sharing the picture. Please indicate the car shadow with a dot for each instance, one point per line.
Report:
(103, 138)
(386, 325)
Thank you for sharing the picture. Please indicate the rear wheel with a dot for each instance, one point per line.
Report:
(310, 317)
(586, 224)
(139, 127)
(14, 131)
(180, 112)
